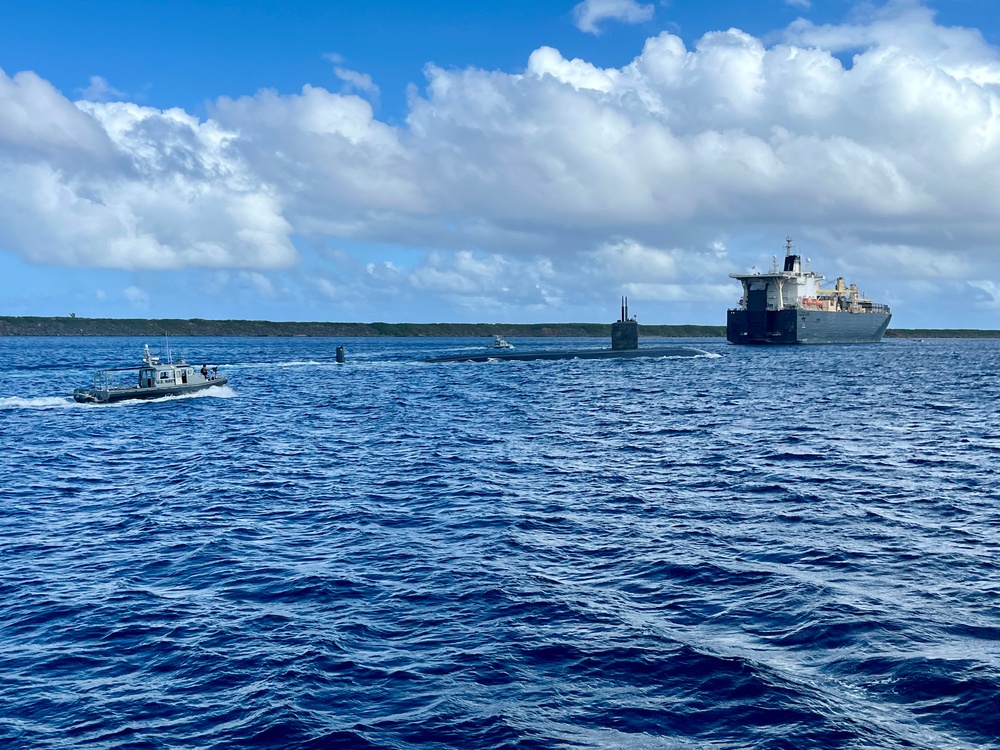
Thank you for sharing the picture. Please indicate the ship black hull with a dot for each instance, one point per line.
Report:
(805, 327)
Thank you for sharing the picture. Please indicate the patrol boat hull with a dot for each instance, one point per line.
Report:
(805, 327)
(110, 395)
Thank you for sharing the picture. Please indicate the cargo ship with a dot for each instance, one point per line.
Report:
(788, 306)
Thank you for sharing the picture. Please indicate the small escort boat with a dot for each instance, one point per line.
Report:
(155, 380)
(499, 342)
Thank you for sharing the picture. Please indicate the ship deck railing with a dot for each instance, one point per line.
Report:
(113, 380)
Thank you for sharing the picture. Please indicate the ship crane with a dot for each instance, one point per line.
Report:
(847, 293)
(838, 291)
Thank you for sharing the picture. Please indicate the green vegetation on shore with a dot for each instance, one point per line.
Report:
(72, 326)
(941, 333)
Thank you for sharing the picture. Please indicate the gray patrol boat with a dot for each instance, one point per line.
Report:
(155, 379)
(788, 306)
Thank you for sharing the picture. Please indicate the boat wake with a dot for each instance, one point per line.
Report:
(43, 402)
(292, 364)
(219, 391)
(63, 402)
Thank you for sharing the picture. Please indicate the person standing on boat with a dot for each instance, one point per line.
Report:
(204, 371)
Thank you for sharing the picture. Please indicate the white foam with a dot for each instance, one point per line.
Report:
(221, 391)
(42, 402)
(62, 402)
(294, 363)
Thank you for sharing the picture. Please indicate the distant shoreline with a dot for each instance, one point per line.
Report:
(71, 326)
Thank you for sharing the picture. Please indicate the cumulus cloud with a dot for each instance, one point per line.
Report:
(257, 281)
(353, 79)
(566, 173)
(123, 186)
(990, 293)
(356, 80)
(100, 90)
(590, 13)
(905, 28)
(334, 163)
(327, 288)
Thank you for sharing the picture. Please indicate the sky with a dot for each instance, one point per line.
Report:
(499, 162)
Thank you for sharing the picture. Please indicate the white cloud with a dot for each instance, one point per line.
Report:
(578, 73)
(334, 163)
(991, 290)
(39, 125)
(356, 80)
(590, 13)
(908, 29)
(136, 297)
(100, 90)
(261, 284)
(327, 288)
(561, 180)
(627, 260)
(385, 271)
(353, 79)
(481, 282)
(462, 273)
(799, 3)
(123, 186)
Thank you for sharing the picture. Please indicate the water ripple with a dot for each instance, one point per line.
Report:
(769, 548)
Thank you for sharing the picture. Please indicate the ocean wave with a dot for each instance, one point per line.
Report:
(709, 554)
(40, 402)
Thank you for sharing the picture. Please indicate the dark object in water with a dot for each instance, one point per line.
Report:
(624, 345)
(667, 351)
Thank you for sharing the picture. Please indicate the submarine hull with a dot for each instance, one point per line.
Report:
(672, 351)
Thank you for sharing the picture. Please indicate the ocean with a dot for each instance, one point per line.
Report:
(758, 548)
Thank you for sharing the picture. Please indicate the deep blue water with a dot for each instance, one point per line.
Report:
(763, 548)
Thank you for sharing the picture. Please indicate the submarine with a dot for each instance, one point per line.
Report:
(624, 345)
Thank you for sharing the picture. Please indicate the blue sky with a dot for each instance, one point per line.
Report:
(495, 161)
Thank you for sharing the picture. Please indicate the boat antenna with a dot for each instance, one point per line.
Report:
(166, 343)
(788, 245)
